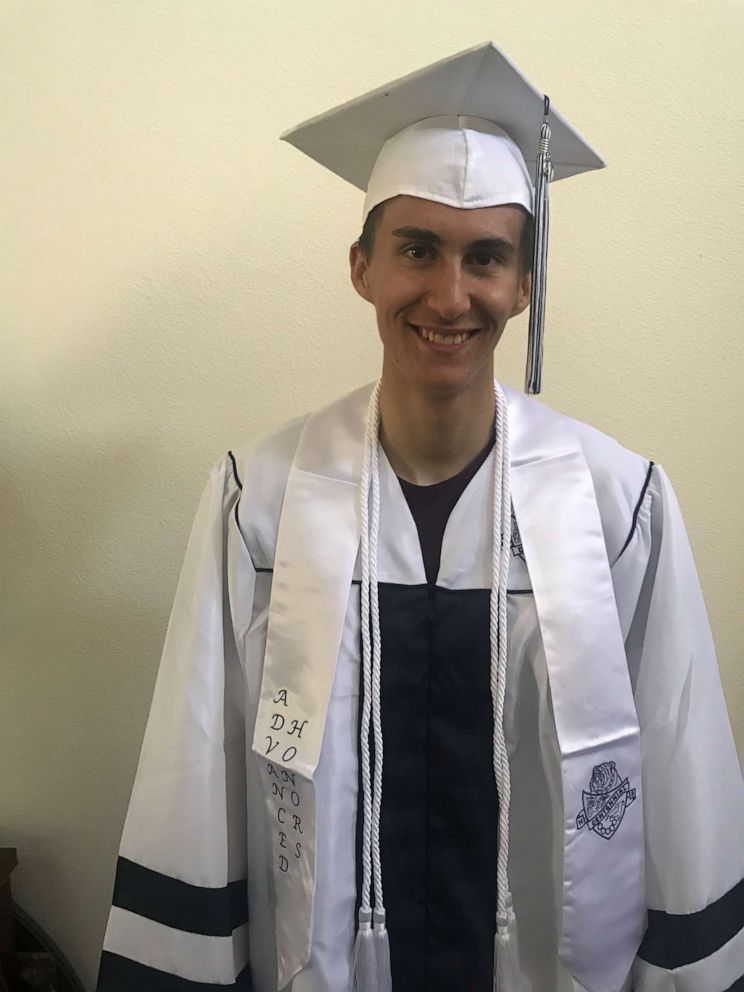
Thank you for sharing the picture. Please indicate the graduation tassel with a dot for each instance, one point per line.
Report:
(536, 333)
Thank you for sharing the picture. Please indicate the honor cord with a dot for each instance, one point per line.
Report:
(371, 964)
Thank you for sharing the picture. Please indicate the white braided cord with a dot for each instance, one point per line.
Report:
(376, 662)
(370, 442)
(499, 639)
(498, 746)
(371, 653)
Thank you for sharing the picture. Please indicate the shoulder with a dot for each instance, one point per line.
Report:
(260, 470)
(263, 465)
(620, 476)
(621, 479)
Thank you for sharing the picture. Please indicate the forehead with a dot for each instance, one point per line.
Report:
(452, 224)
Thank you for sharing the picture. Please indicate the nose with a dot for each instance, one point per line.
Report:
(448, 294)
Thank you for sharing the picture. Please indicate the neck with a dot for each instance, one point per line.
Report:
(428, 438)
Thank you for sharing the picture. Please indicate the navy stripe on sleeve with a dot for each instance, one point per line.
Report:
(636, 511)
(120, 974)
(238, 483)
(673, 941)
(191, 908)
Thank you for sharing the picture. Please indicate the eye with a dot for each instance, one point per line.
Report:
(483, 259)
(417, 252)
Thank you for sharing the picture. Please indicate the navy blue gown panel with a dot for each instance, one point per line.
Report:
(439, 820)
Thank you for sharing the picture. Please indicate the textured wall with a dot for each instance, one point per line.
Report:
(175, 284)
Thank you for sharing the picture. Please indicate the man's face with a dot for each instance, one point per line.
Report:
(444, 282)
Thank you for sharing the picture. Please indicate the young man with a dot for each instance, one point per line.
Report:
(498, 600)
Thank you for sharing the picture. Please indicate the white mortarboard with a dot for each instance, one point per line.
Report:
(468, 131)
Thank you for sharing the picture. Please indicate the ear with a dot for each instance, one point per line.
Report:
(523, 294)
(358, 269)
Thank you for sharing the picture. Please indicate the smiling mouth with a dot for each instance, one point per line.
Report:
(436, 336)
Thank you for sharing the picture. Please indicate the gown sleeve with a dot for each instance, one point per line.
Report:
(180, 909)
(692, 785)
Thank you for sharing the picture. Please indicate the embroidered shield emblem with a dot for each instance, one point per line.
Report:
(516, 540)
(606, 801)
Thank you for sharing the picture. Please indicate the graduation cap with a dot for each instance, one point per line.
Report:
(469, 131)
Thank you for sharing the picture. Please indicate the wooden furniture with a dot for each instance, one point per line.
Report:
(8, 861)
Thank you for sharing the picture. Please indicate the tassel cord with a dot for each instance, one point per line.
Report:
(371, 970)
(371, 959)
(498, 636)
(376, 664)
(507, 975)
(366, 659)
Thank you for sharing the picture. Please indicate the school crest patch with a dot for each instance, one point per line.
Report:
(605, 803)
(516, 540)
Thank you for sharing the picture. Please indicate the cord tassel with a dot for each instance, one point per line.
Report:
(364, 964)
(507, 972)
(382, 953)
(536, 333)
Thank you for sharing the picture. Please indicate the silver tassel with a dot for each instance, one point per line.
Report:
(543, 175)
(364, 964)
(507, 972)
(382, 953)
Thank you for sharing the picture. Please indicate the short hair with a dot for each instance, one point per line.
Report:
(526, 241)
(369, 228)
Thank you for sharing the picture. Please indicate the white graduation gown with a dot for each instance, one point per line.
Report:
(237, 860)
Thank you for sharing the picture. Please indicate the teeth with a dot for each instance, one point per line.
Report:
(429, 335)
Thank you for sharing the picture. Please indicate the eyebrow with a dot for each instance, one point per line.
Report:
(426, 236)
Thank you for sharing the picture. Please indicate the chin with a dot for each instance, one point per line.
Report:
(445, 385)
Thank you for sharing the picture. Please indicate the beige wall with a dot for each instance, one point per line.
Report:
(176, 284)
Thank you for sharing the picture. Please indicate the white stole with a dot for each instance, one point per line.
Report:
(592, 699)
(556, 510)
